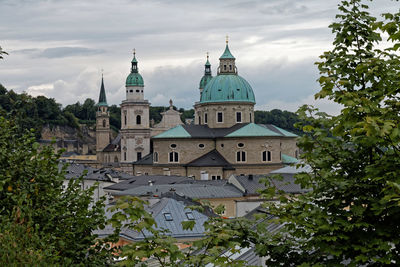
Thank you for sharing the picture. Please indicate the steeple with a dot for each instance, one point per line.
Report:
(102, 96)
(134, 68)
(227, 61)
(134, 78)
(206, 77)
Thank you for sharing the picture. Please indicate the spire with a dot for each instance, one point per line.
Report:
(227, 53)
(207, 70)
(102, 96)
(134, 68)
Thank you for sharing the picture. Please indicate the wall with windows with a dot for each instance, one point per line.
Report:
(249, 150)
(134, 112)
(187, 149)
(223, 115)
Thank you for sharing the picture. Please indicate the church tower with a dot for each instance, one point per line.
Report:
(206, 77)
(135, 121)
(102, 122)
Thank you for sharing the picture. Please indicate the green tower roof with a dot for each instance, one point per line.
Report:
(134, 78)
(227, 54)
(102, 96)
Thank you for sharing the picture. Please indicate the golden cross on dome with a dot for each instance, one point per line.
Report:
(227, 39)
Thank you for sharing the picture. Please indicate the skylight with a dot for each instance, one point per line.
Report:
(168, 217)
(189, 215)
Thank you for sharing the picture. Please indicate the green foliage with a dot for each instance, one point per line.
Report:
(41, 224)
(34, 112)
(283, 119)
(352, 213)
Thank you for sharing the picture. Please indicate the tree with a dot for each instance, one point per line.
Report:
(40, 222)
(349, 216)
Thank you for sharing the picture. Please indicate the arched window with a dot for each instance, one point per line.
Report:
(173, 156)
(139, 155)
(266, 156)
(205, 118)
(230, 67)
(138, 119)
(125, 119)
(220, 117)
(155, 157)
(199, 120)
(124, 156)
(115, 159)
(241, 156)
(104, 123)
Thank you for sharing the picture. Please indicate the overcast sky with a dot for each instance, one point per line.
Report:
(58, 48)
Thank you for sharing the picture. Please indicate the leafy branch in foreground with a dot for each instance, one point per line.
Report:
(351, 215)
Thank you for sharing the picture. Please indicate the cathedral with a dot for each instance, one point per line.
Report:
(221, 140)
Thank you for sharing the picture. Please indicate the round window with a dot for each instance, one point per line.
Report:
(173, 145)
(201, 145)
(240, 145)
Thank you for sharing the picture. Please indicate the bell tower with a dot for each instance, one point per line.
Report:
(102, 123)
(135, 120)
(227, 61)
(206, 77)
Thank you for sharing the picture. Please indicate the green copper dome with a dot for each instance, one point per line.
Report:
(134, 79)
(227, 88)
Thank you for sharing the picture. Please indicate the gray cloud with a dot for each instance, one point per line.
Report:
(58, 48)
(59, 52)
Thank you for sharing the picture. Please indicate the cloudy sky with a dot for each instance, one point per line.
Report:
(58, 48)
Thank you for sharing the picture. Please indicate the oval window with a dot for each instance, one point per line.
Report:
(201, 145)
(173, 145)
(240, 145)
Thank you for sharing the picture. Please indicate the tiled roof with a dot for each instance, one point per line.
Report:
(237, 130)
(146, 160)
(251, 183)
(194, 191)
(292, 170)
(211, 159)
(115, 145)
(177, 210)
(136, 181)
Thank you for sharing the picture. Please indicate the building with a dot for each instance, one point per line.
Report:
(223, 141)
(133, 140)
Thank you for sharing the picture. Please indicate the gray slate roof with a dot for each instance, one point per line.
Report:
(115, 145)
(75, 170)
(194, 191)
(178, 211)
(211, 159)
(136, 181)
(252, 184)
